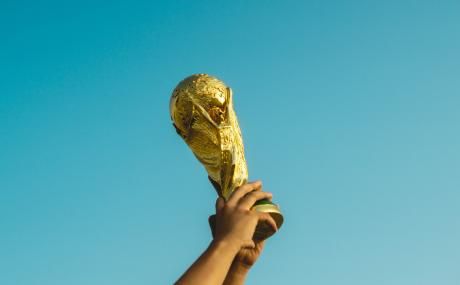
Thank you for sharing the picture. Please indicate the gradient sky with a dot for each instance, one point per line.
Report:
(350, 113)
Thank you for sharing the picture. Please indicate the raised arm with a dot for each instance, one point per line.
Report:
(235, 225)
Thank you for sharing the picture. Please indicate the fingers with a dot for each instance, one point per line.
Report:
(268, 219)
(248, 201)
(260, 244)
(212, 224)
(248, 244)
(220, 203)
(242, 191)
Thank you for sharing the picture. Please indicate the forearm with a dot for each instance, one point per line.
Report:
(212, 266)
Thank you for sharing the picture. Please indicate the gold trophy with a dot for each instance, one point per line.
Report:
(202, 112)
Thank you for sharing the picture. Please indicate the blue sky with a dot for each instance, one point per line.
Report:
(349, 112)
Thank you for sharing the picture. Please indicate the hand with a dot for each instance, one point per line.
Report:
(232, 248)
(246, 257)
(235, 221)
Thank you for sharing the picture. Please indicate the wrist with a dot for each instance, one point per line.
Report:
(239, 268)
(227, 245)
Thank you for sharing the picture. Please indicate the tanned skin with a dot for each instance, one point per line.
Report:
(232, 252)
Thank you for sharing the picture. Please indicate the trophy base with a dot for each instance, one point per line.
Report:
(264, 230)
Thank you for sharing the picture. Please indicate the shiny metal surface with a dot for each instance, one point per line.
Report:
(201, 108)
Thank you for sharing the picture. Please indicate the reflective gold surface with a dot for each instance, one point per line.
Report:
(202, 112)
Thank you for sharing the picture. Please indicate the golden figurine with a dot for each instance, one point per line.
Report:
(202, 112)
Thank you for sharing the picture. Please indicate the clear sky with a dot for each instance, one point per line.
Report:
(350, 114)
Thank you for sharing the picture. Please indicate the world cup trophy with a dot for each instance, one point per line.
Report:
(202, 112)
